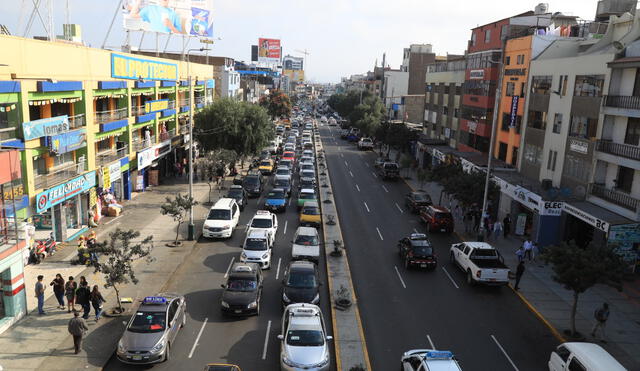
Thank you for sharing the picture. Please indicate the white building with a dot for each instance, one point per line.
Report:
(396, 84)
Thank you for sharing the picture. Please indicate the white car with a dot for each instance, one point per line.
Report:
(307, 153)
(282, 170)
(306, 244)
(264, 220)
(223, 217)
(304, 339)
(306, 160)
(257, 248)
(307, 166)
(365, 144)
(428, 359)
(307, 173)
(289, 147)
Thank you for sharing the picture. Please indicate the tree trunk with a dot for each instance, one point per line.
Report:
(573, 313)
(210, 189)
(120, 309)
(177, 233)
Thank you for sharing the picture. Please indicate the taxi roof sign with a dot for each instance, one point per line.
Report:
(439, 354)
(154, 300)
(263, 212)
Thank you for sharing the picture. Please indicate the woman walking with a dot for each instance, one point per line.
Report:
(96, 301)
(70, 292)
(58, 289)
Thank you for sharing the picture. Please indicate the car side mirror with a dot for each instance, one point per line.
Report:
(329, 337)
(281, 337)
(124, 323)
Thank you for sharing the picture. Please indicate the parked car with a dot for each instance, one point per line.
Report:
(417, 251)
(437, 219)
(300, 283)
(480, 262)
(239, 194)
(582, 356)
(389, 170)
(365, 144)
(222, 219)
(242, 291)
(417, 200)
(304, 339)
(380, 161)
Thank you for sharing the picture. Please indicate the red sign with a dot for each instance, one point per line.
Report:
(269, 50)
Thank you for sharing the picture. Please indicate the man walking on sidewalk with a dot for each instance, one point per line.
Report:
(506, 224)
(40, 294)
(77, 327)
(83, 298)
(601, 316)
(519, 272)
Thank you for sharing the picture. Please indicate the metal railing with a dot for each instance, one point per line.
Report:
(103, 117)
(172, 104)
(59, 175)
(614, 196)
(107, 157)
(77, 121)
(167, 135)
(7, 133)
(619, 149)
(140, 144)
(137, 111)
(184, 102)
(622, 101)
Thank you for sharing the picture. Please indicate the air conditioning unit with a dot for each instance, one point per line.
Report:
(547, 184)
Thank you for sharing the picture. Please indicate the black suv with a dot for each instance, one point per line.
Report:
(300, 283)
(239, 194)
(417, 251)
(253, 184)
(242, 292)
(415, 200)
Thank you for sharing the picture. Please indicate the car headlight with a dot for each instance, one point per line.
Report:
(121, 347)
(288, 362)
(265, 255)
(252, 305)
(158, 347)
(285, 298)
(224, 304)
(243, 256)
(316, 299)
(228, 226)
(324, 362)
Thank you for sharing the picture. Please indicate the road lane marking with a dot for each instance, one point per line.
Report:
(289, 204)
(399, 276)
(345, 163)
(229, 267)
(399, 208)
(278, 269)
(358, 188)
(505, 353)
(266, 340)
(374, 175)
(365, 164)
(350, 173)
(451, 278)
(195, 344)
(385, 189)
(415, 230)
(367, 207)
(431, 342)
(285, 226)
(379, 234)
(341, 155)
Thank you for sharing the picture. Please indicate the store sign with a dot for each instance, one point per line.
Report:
(439, 155)
(126, 67)
(114, 171)
(526, 198)
(63, 192)
(106, 178)
(156, 105)
(579, 146)
(515, 72)
(476, 74)
(146, 157)
(586, 217)
(45, 127)
(513, 115)
(12, 193)
(623, 240)
(68, 142)
(551, 208)
(472, 126)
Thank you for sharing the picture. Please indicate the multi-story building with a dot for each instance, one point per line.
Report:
(395, 87)
(416, 58)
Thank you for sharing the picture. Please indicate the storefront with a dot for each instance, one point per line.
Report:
(147, 172)
(64, 208)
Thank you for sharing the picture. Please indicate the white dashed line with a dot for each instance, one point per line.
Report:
(350, 173)
(195, 344)
(229, 267)
(415, 230)
(385, 189)
(266, 341)
(400, 277)
(358, 188)
(379, 234)
(431, 342)
(374, 175)
(278, 269)
(345, 163)
(366, 207)
(451, 278)
(399, 208)
(285, 226)
(505, 353)
(341, 155)
(365, 164)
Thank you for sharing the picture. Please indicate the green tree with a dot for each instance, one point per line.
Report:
(467, 188)
(177, 208)
(395, 135)
(212, 161)
(121, 253)
(578, 269)
(277, 104)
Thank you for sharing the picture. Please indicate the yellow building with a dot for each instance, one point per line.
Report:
(90, 119)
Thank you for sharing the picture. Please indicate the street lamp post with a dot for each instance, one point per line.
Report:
(192, 228)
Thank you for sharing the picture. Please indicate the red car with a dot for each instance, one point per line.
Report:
(289, 156)
(437, 219)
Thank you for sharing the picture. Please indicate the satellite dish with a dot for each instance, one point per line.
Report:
(618, 45)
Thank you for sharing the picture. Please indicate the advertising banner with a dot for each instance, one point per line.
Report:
(182, 17)
(156, 105)
(63, 192)
(624, 240)
(45, 127)
(269, 50)
(146, 157)
(68, 142)
(293, 63)
(126, 67)
(513, 115)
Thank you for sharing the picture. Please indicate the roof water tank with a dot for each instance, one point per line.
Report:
(541, 8)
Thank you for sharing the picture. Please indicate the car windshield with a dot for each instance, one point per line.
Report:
(422, 251)
(307, 167)
(421, 197)
(310, 210)
(148, 322)
(282, 172)
(241, 284)
(306, 240)
(308, 196)
(304, 279)
(265, 163)
(219, 214)
(251, 181)
(282, 182)
(305, 338)
(275, 194)
(255, 244)
(391, 167)
(261, 223)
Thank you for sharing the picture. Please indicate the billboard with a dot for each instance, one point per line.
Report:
(293, 63)
(269, 50)
(185, 17)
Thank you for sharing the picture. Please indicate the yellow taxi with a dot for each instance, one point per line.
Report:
(266, 166)
(310, 214)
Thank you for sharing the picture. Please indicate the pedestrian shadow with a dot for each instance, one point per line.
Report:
(101, 340)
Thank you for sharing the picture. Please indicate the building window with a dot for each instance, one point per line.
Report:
(502, 151)
(625, 179)
(551, 161)
(458, 89)
(523, 88)
(583, 127)
(487, 36)
(541, 84)
(589, 86)
(557, 123)
(445, 110)
(537, 120)
(577, 168)
(104, 145)
(532, 154)
(456, 113)
(511, 89)
(473, 39)
(62, 159)
(507, 60)
(632, 135)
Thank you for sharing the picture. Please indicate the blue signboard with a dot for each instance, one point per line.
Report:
(45, 127)
(68, 142)
(513, 115)
(63, 192)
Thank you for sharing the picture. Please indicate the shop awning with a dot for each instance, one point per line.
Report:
(595, 215)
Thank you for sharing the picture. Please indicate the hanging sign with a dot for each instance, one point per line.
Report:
(63, 192)
(586, 217)
(45, 127)
(513, 115)
(114, 171)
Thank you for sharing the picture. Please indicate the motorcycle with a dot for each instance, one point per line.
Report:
(37, 254)
(49, 245)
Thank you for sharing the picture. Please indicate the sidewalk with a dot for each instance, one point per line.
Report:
(552, 303)
(36, 341)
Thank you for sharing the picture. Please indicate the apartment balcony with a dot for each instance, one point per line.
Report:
(7, 133)
(167, 135)
(107, 157)
(619, 149)
(183, 102)
(614, 196)
(59, 175)
(103, 117)
(140, 144)
(171, 104)
(138, 111)
(622, 101)
(77, 121)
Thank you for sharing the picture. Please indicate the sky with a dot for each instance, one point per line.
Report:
(342, 37)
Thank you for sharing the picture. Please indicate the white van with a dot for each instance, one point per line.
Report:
(223, 217)
(582, 357)
(306, 244)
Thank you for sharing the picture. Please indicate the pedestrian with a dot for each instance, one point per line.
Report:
(40, 294)
(476, 221)
(70, 288)
(83, 297)
(520, 254)
(488, 228)
(96, 301)
(457, 212)
(534, 251)
(58, 289)
(497, 229)
(77, 328)
(506, 224)
(528, 246)
(468, 221)
(519, 272)
(601, 316)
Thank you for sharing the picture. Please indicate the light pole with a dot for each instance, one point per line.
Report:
(494, 124)
(192, 228)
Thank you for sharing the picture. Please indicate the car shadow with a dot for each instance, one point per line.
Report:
(219, 262)
(255, 340)
(205, 304)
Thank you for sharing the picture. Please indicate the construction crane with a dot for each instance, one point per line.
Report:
(305, 53)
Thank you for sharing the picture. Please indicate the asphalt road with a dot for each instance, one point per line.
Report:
(487, 328)
(211, 337)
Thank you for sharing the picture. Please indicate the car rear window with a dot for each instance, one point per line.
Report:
(391, 167)
(306, 240)
(310, 210)
(219, 214)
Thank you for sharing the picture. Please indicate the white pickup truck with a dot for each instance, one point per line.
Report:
(365, 144)
(481, 263)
